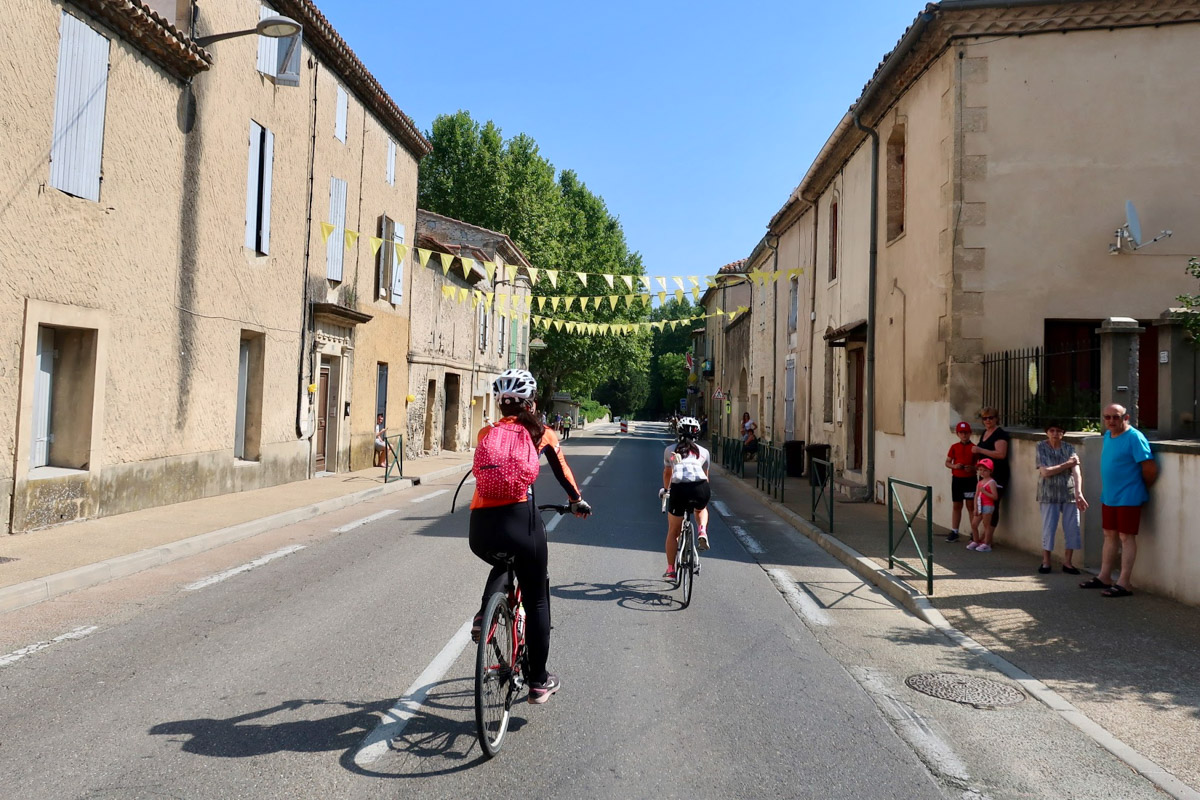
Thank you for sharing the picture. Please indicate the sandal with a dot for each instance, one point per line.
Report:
(1070, 570)
(1094, 583)
(1116, 590)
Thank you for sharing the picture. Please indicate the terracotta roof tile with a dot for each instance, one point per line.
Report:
(142, 27)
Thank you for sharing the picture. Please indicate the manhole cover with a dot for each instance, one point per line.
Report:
(966, 689)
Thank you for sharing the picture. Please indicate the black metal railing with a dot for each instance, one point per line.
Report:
(923, 568)
(394, 458)
(771, 470)
(1031, 387)
(821, 478)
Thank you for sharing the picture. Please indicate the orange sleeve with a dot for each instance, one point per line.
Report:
(558, 464)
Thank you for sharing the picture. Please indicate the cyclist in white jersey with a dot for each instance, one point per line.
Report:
(685, 476)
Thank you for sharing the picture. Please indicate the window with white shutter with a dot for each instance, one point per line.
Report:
(279, 58)
(339, 124)
(81, 91)
(259, 167)
(383, 263)
(398, 263)
(335, 246)
(391, 163)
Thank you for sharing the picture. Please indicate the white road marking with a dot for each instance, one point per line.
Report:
(800, 602)
(749, 542)
(587, 480)
(394, 721)
(360, 522)
(721, 508)
(17, 655)
(554, 522)
(430, 496)
(229, 573)
(597, 469)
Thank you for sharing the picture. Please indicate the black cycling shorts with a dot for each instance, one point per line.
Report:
(688, 496)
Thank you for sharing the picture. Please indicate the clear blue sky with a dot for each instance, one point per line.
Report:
(693, 120)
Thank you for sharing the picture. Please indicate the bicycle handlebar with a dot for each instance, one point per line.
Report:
(553, 507)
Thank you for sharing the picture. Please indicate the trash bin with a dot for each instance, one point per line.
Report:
(816, 472)
(793, 451)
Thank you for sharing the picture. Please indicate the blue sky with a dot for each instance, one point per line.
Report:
(694, 121)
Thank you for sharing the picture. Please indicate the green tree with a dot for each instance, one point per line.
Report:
(672, 375)
(1192, 303)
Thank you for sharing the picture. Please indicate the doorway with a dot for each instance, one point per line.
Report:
(322, 416)
(430, 400)
(450, 419)
(855, 402)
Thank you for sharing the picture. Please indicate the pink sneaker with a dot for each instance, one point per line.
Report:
(973, 546)
(983, 548)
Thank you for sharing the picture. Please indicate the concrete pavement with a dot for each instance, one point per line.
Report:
(1121, 669)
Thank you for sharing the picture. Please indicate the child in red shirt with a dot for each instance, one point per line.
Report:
(961, 463)
(986, 495)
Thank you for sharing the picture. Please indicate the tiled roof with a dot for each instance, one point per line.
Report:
(733, 267)
(165, 44)
(514, 250)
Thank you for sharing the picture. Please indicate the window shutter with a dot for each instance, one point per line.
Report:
(268, 48)
(287, 70)
(391, 163)
(398, 264)
(252, 186)
(383, 261)
(268, 164)
(339, 125)
(335, 247)
(80, 94)
(39, 451)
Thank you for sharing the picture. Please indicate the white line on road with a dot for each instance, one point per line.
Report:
(597, 469)
(749, 542)
(587, 480)
(17, 655)
(394, 721)
(554, 522)
(430, 496)
(360, 522)
(721, 508)
(229, 573)
(801, 603)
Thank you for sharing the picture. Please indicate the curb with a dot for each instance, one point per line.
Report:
(919, 605)
(29, 593)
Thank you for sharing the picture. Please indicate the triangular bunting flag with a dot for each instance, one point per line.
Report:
(541, 303)
(351, 238)
(558, 324)
(447, 260)
(423, 256)
(487, 300)
(475, 298)
(462, 293)
(662, 297)
(693, 280)
(604, 327)
(645, 279)
(400, 251)
(552, 274)
(326, 230)
(533, 275)
(448, 291)
(609, 280)
(582, 278)
(554, 303)
(612, 302)
(710, 283)
(696, 293)
(376, 243)
(489, 267)
(678, 281)
(467, 265)
(662, 282)
(628, 279)
(679, 295)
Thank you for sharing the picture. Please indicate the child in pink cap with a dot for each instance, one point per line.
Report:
(985, 503)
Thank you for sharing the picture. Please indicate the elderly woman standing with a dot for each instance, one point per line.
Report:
(993, 444)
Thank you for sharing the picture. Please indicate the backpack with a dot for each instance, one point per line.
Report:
(506, 463)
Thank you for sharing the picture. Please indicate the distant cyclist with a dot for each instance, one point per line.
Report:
(685, 476)
(503, 528)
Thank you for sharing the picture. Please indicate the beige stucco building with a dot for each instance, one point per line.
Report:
(164, 276)
(466, 330)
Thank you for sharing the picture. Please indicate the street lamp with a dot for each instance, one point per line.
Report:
(273, 27)
(537, 344)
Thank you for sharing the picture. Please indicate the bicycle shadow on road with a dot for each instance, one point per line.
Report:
(637, 594)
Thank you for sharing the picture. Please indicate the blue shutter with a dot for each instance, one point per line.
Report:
(398, 265)
(335, 248)
(80, 94)
(339, 125)
(252, 187)
(268, 48)
(287, 72)
(268, 164)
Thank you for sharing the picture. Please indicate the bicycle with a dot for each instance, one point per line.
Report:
(501, 660)
(687, 556)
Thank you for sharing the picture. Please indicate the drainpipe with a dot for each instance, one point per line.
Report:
(872, 280)
(772, 241)
(812, 314)
(302, 394)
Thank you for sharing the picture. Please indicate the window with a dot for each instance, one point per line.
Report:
(386, 258)
(391, 163)
(828, 417)
(258, 188)
(80, 93)
(483, 329)
(895, 183)
(833, 240)
(335, 245)
(793, 304)
(397, 262)
(247, 436)
(64, 384)
(501, 329)
(339, 123)
(279, 58)
(789, 401)
(514, 346)
(381, 380)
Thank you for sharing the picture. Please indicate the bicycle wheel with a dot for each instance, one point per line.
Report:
(494, 683)
(687, 559)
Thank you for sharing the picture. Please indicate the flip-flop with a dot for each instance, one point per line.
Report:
(1094, 583)
(1116, 590)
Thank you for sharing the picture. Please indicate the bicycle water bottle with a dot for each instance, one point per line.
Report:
(521, 623)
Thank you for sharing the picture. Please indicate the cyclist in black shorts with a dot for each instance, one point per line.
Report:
(685, 476)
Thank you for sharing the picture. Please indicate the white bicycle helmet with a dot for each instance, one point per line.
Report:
(518, 384)
(689, 427)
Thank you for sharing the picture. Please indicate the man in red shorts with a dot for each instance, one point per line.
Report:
(1127, 470)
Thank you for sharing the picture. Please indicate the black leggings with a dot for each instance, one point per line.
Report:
(517, 530)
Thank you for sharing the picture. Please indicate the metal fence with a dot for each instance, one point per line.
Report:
(395, 458)
(770, 470)
(821, 478)
(924, 566)
(728, 453)
(1031, 387)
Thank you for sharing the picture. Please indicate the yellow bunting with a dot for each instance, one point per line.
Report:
(692, 279)
(351, 238)
(552, 274)
(710, 283)
(558, 324)
(678, 281)
(609, 280)
(533, 275)
(448, 291)
(467, 265)
(554, 303)
(582, 278)
(541, 303)
(489, 267)
(462, 294)
(612, 302)
(662, 282)
(696, 293)
(679, 295)
(645, 301)
(645, 279)
(630, 299)
(628, 279)
(400, 250)
(376, 243)
(423, 256)
(662, 297)
(604, 327)
(569, 301)
(326, 231)
(446, 260)
(487, 300)
(475, 298)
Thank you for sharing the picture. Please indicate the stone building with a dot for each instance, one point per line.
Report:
(165, 292)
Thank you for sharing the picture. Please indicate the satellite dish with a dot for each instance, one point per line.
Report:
(1133, 225)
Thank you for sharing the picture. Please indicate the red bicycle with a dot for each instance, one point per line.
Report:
(502, 661)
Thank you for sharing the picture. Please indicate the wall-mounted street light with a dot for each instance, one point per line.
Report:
(274, 27)
(537, 344)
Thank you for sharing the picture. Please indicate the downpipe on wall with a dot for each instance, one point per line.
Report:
(872, 280)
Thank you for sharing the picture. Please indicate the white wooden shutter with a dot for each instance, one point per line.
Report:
(789, 402)
(239, 425)
(268, 48)
(81, 91)
(268, 165)
(253, 162)
(339, 125)
(391, 163)
(336, 246)
(287, 70)
(39, 453)
(398, 264)
(383, 261)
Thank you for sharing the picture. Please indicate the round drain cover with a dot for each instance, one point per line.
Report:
(966, 689)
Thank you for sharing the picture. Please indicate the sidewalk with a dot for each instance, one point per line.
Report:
(1128, 664)
(43, 564)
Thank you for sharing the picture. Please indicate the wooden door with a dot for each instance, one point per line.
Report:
(322, 417)
(857, 357)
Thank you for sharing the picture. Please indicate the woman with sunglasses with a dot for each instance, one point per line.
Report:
(993, 444)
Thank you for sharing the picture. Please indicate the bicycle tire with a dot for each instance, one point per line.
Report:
(686, 562)
(495, 683)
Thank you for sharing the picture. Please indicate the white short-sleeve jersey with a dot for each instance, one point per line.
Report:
(686, 470)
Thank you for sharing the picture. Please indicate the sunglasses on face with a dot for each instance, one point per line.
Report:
(989, 417)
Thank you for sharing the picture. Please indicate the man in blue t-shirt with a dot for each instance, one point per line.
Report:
(1127, 470)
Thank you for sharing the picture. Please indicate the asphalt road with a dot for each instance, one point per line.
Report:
(784, 678)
